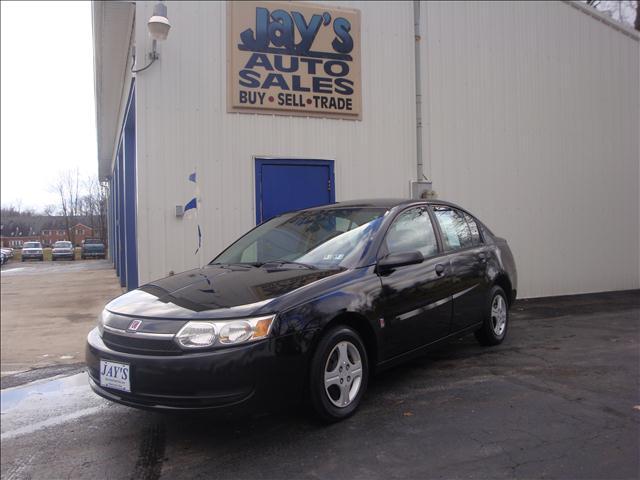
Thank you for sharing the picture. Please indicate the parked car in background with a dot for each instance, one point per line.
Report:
(307, 304)
(5, 255)
(32, 250)
(63, 250)
(93, 248)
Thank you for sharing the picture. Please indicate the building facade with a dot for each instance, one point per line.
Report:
(526, 113)
(48, 230)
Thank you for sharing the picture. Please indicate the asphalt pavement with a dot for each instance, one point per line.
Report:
(559, 399)
(48, 308)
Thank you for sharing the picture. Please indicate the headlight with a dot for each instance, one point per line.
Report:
(196, 335)
(200, 334)
(102, 319)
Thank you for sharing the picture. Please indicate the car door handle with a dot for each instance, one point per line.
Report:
(439, 269)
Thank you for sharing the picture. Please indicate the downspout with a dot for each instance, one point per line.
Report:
(418, 83)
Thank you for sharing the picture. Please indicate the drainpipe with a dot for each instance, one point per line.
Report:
(418, 82)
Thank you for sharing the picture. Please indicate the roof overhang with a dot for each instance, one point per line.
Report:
(112, 35)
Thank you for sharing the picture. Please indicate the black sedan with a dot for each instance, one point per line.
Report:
(306, 306)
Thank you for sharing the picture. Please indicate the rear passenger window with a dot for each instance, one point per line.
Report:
(456, 233)
(473, 226)
(412, 231)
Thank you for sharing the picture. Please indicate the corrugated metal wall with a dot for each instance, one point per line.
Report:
(532, 123)
(183, 124)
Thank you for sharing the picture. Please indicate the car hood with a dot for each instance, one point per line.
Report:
(215, 291)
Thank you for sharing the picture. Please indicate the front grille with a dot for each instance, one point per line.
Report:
(149, 346)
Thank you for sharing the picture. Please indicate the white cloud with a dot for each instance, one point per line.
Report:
(47, 104)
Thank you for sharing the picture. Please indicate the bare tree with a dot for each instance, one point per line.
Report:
(49, 210)
(67, 187)
(623, 11)
(93, 206)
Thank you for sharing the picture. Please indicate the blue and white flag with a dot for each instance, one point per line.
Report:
(191, 207)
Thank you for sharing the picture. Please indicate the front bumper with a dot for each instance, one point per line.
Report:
(248, 376)
(62, 255)
(32, 255)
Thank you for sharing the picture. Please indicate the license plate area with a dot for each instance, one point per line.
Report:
(115, 375)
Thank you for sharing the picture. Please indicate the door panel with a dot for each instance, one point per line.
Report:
(469, 287)
(286, 185)
(416, 299)
(417, 306)
(468, 265)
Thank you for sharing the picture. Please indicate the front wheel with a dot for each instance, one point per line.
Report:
(339, 374)
(496, 320)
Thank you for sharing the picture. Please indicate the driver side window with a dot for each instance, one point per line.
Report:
(412, 231)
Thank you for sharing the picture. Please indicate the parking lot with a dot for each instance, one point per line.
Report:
(559, 399)
(47, 309)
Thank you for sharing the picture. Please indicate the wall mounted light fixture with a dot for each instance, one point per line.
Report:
(158, 26)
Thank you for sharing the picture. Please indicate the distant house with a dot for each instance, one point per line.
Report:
(14, 231)
(80, 232)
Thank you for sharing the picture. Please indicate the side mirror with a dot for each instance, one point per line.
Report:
(395, 260)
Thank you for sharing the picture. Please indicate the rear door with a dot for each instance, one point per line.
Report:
(468, 262)
(415, 299)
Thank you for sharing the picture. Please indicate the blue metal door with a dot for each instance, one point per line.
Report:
(283, 185)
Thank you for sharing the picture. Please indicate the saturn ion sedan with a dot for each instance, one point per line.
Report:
(306, 306)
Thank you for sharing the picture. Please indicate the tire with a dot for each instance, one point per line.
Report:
(496, 319)
(23, 259)
(340, 344)
(53, 259)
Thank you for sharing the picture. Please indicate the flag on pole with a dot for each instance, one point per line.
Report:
(191, 207)
(199, 240)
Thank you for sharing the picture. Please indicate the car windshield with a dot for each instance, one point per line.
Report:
(324, 238)
(62, 245)
(32, 245)
(92, 242)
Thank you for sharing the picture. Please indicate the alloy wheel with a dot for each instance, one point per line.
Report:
(343, 374)
(498, 315)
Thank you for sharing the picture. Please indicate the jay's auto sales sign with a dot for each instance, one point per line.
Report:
(294, 59)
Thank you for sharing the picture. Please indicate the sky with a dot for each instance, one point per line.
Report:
(47, 100)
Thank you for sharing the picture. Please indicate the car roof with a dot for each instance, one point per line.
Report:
(387, 203)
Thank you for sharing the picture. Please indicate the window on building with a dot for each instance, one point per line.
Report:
(456, 233)
(412, 231)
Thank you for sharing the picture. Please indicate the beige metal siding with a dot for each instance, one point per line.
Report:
(183, 124)
(532, 122)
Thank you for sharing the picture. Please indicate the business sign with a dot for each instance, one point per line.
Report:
(293, 59)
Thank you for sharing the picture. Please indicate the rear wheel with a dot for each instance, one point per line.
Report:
(496, 321)
(339, 374)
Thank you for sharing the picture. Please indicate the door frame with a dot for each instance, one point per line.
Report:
(259, 161)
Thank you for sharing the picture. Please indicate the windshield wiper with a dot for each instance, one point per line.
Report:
(241, 264)
(285, 262)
